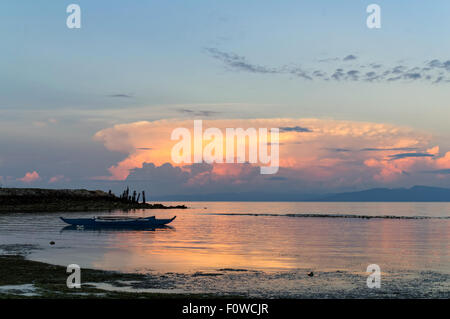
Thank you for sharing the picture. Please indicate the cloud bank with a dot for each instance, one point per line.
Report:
(348, 68)
(312, 152)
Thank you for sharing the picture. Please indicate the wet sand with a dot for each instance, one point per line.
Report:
(21, 278)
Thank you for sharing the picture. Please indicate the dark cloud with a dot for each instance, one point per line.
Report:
(435, 63)
(120, 95)
(297, 71)
(144, 148)
(328, 60)
(350, 57)
(439, 65)
(407, 155)
(238, 62)
(393, 149)
(412, 76)
(198, 178)
(295, 129)
(338, 150)
(395, 78)
(338, 75)
(319, 74)
(439, 79)
(156, 179)
(375, 65)
(398, 69)
(434, 71)
(197, 112)
(371, 76)
(389, 149)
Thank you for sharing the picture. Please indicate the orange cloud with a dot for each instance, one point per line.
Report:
(390, 168)
(443, 162)
(318, 149)
(56, 178)
(30, 177)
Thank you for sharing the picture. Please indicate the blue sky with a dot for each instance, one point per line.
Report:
(149, 60)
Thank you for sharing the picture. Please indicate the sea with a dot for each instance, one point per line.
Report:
(257, 249)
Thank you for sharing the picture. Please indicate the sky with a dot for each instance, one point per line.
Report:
(95, 107)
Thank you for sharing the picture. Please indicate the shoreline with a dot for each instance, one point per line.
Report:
(29, 200)
(81, 207)
(27, 279)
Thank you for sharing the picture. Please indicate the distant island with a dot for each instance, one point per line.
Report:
(71, 200)
(413, 194)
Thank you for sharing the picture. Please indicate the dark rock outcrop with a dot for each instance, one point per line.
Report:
(37, 199)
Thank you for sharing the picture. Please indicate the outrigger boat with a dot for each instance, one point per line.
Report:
(117, 221)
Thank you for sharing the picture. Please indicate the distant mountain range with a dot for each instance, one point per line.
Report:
(413, 194)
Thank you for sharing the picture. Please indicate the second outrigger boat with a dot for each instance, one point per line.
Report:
(117, 221)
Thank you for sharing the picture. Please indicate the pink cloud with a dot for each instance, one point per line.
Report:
(444, 162)
(389, 169)
(56, 178)
(30, 177)
(327, 150)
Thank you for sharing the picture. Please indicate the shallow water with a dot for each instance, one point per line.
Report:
(247, 248)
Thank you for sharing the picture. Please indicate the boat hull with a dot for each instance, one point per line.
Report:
(137, 223)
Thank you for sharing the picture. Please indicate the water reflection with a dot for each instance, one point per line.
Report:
(72, 228)
(197, 241)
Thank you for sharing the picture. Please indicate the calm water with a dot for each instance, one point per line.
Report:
(237, 247)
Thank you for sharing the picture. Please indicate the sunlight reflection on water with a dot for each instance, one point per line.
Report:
(203, 240)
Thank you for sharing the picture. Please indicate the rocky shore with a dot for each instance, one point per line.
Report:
(68, 200)
(22, 278)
